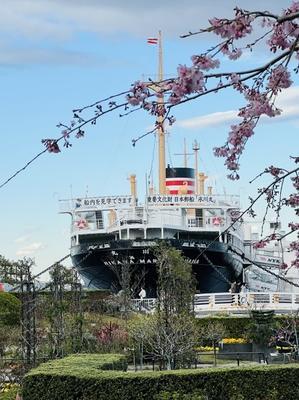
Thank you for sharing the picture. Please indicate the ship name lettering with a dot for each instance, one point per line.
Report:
(144, 244)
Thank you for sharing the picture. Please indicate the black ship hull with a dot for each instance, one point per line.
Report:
(214, 265)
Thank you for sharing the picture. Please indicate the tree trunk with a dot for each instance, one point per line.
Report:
(215, 359)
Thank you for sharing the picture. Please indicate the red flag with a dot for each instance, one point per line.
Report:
(152, 40)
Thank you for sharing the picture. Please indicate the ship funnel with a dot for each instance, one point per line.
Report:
(201, 180)
(133, 187)
(180, 180)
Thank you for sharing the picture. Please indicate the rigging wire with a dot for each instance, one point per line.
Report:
(265, 268)
(168, 149)
(153, 157)
(217, 270)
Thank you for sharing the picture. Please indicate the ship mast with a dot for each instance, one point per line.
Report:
(196, 149)
(185, 154)
(161, 133)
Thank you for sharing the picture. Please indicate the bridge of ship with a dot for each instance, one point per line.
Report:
(155, 218)
(233, 303)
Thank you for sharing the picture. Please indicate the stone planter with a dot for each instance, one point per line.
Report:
(229, 351)
(261, 352)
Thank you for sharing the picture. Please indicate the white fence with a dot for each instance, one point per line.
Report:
(234, 303)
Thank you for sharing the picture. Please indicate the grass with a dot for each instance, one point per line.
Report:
(9, 393)
(209, 359)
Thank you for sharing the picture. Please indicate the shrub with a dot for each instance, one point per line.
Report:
(9, 391)
(236, 327)
(10, 308)
(234, 341)
(82, 378)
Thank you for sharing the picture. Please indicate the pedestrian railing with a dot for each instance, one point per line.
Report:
(234, 303)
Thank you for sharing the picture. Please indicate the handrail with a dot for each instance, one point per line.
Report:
(280, 302)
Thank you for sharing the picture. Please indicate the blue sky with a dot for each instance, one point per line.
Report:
(59, 55)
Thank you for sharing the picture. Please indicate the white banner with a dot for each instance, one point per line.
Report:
(181, 200)
(102, 203)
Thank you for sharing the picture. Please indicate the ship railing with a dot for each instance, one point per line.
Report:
(210, 222)
(195, 222)
(233, 303)
(147, 304)
(86, 226)
(163, 218)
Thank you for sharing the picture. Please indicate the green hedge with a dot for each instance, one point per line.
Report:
(235, 326)
(10, 308)
(82, 377)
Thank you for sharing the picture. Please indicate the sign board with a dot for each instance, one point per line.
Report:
(264, 259)
(103, 203)
(187, 200)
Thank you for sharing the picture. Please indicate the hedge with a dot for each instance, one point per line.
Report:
(82, 377)
(10, 308)
(236, 327)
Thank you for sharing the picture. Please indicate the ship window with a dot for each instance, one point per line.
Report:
(199, 212)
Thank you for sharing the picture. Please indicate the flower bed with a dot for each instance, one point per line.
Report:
(234, 341)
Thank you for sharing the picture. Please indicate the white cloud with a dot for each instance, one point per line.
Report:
(287, 101)
(29, 249)
(25, 56)
(213, 119)
(22, 239)
(33, 21)
(63, 18)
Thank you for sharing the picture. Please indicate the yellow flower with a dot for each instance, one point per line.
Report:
(234, 341)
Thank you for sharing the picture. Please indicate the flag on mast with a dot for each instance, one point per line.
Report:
(152, 40)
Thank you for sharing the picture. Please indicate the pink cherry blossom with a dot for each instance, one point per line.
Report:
(234, 29)
(189, 80)
(234, 78)
(293, 200)
(279, 79)
(294, 246)
(295, 181)
(205, 62)
(260, 244)
(279, 39)
(294, 226)
(51, 145)
(274, 171)
(258, 105)
(221, 151)
(140, 92)
(231, 52)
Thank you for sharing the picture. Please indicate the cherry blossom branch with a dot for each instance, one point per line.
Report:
(4, 183)
(283, 278)
(248, 210)
(191, 82)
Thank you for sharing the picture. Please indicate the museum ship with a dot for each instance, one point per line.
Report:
(110, 231)
(107, 231)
